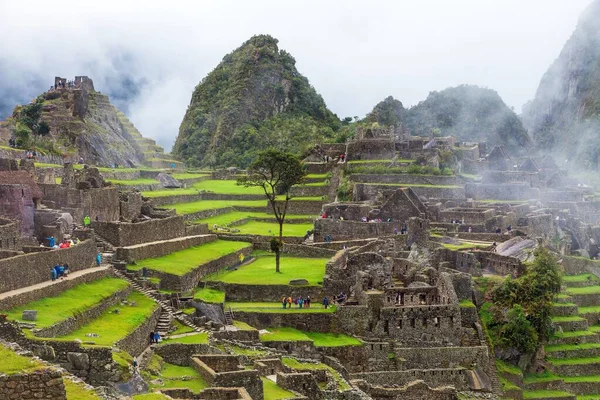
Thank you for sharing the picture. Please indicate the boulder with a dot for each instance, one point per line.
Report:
(298, 282)
(167, 181)
(79, 361)
(29, 315)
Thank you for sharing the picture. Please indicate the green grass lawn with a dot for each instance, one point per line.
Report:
(319, 339)
(184, 261)
(318, 176)
(226, 187)
(589, 309)
(202, 205)
(464, 246)
(189, 175)
(13, 363)
(76, 391)
(272, 229)
(583, 290)
(302, 366)
(580, 278)
(375, 161)
(262, 271)
(133, 182)
(273, 392)
(277, 308)
(174, 376)
(574, 361)
(209, 295)
(150, 396)
(542, 394)
(466, 304)
(70, 302)
(180, 328)
(227, 218)
(243, 326)
(112, 327)
(570, 347)
(504, 367)
(572, 318)
(200, 338)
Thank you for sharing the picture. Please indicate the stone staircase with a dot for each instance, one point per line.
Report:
(163, 327)
(171, 312)
(228, 316)
(105, 248)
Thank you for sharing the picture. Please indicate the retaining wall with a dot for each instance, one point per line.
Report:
(127, 234)
(161, 248)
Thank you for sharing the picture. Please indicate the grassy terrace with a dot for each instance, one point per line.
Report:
(13, 363)
(262, 271)
(276, 308)
(272, 228)
(580, 278)
(190, 175)
(464, 246)
(201, 205)
(70, 302)
(228, 218)
(200, 338)
(583, 290)
(113, 326)
(544, 394)
(273, 392)
(174, 376)
(301, 366)
(285, 334)
(76, 391)
(184, 261)
(209, 295)
(133, 182)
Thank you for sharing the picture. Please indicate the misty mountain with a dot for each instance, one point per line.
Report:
(564, 115)
(470, 113)
(254, 99)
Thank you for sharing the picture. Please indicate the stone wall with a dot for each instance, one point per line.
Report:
(220, 371)
(306, 207)
(314, 322)
(363, 191)
(266, 293)
(181, 354)
(347, 230)
(499, 264)
(196, 229)
(309, 191)
(16, 202)
(101, 203)
(10, 234)
(127, 234)
(75, 322)
(160, 248)
(443, 357)
(30, 269)
(371, 149)
(301, 382)
(580, 265)
(137, 340)
(514, 191)
(43, 384)
(432, 377)
(406, 179)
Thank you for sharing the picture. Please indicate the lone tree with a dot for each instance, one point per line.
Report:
(276, 173)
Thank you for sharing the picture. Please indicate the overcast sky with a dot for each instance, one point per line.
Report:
(149, 55)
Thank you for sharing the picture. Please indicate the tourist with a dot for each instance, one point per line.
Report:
(395, 230)
(509, 228)
(307, 302)
(325, 302)
(156, 337)
(86, 221)
(284, 301)
(324, 215)
(53, 274)
(51, 241)
(289, 300)
(66, 270)
(498, 230)
(241, 257)
(470, 229)
(98, 259)
(61, 271)
(151, 337)
(135, 365)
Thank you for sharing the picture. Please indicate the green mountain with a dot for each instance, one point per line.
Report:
(254, 99)
(388, 112)
(470, 113)
(564, 116)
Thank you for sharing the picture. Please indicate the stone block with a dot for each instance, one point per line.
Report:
(29, 315)
(80, 361)
(298, 282)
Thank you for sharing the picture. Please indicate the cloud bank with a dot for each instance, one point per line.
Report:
(148, 56)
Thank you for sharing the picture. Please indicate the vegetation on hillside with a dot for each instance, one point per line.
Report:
(518, 315)
(254, 99)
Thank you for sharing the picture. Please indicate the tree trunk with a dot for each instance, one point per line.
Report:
(279, 247)
(277, 259)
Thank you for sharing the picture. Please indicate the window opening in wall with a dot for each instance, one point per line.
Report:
(399, 324)
(386, 326)
(436, 322)
(451, 321)
(422, 299)
(424, 322)
(412, 322)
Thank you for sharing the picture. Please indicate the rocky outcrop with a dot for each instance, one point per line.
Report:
(563, 116)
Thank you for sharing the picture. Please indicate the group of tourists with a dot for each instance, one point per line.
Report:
(403, 230)
(59, 271)
(65, 244)
(30, 154)
(300, 302)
